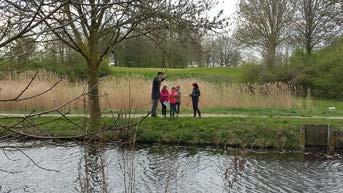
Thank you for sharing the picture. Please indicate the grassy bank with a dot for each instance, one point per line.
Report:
(241, 132)
(278, 133)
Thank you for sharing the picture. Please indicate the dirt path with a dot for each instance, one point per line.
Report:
(188, 115)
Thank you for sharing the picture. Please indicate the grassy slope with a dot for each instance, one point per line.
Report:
(243, 132)
(207, 74)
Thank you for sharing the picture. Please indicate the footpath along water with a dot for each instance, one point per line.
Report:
(183, 115)
(157, 169)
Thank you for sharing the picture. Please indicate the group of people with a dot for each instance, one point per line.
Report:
(171, 98)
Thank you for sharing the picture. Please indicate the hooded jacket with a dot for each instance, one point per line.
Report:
(164, 95)
(172, 97)
(195, 94)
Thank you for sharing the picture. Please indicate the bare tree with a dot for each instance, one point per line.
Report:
(226, 51)
(265, 24)
(22, 49)
(19, 22)
(207, 52)
(317, 21)
(93, 27)
(18, 18)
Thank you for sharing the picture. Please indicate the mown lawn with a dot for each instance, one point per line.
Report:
(316, 108)
(206, 74)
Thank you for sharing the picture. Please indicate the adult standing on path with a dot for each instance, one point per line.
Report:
(195, 99)
(155, 92)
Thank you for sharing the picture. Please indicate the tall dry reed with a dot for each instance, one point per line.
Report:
(134, 93)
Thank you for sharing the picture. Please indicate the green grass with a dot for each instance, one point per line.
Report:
(318, 108)
(243, 132)
(278, 133)
(207, 74)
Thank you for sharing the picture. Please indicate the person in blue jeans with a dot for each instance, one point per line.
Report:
(164, 98)
(155, 92)
(172, 101)
(195, 99)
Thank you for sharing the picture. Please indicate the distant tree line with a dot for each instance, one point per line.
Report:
(273, 28)
(269, 25)
(300, 43)
(178, 51)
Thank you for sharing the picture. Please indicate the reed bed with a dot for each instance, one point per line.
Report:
(134, 93)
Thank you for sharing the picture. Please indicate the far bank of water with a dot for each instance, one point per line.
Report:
(247, 132)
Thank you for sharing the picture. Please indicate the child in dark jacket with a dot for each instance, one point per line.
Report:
(164, 97)
(195, 99)
(178, 100)
(172, 100)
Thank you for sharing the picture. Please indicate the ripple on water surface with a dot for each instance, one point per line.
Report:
(165, 169)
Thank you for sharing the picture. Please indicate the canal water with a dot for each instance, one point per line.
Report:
(154, 168)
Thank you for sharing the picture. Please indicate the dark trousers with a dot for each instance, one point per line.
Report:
(164, 109)
(196, 108)
(178, 104)
(172, 109)
(154, 107)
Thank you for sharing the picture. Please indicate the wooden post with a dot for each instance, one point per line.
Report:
(331, 139)
(302, 137)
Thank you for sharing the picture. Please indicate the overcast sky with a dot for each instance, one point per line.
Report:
(229, 6)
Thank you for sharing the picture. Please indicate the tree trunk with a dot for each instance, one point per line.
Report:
(308, 46)
(270, 56)
(93, 95)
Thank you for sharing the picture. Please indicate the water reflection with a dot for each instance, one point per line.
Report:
(168, 169)
(231, 169)
(92, 176)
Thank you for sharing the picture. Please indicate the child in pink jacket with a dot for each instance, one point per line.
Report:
(164, 97)
(173, 100)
